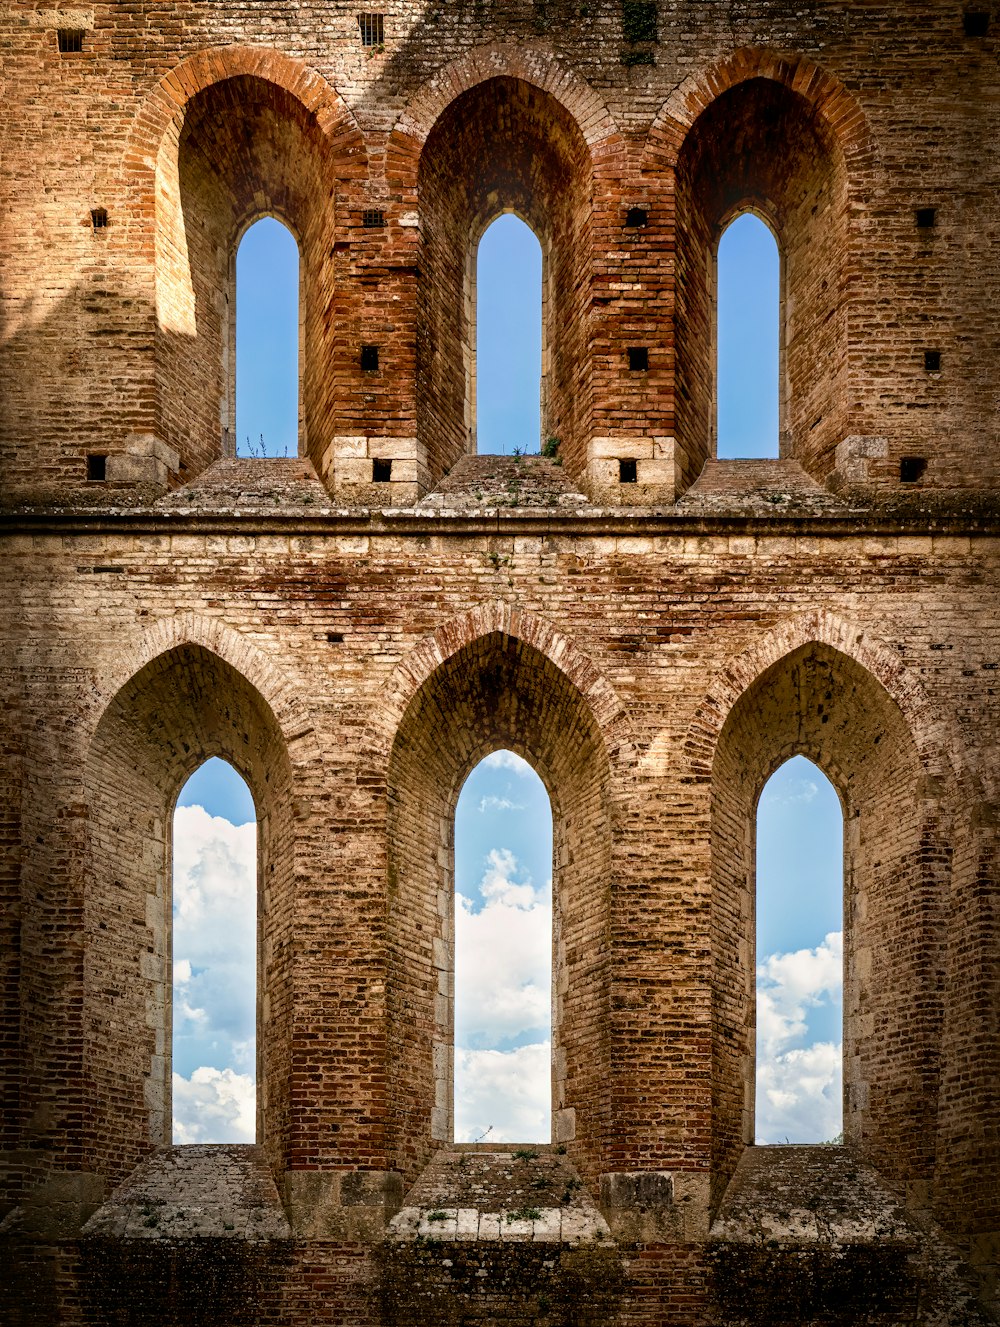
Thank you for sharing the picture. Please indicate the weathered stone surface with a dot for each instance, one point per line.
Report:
(654, 628)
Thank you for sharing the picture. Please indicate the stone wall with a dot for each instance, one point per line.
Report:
(353, 645)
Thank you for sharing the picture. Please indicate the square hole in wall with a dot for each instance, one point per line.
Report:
(976, 22)
(99, 217)
(373, 218)
(70, 40)
(636, 216)
(369, 358)
(381, 471)
(638, 358)
(926, 217)
(628, 471)
(932, 361)
(911, 468)
(97, 466)
(372, 28)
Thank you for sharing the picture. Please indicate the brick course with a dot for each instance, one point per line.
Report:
(654, 659)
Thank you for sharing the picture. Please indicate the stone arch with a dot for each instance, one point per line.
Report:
(820, 626)
(232, 135)
(279, 688)
(531, 157)
(778, 135)
(162, 113)
(497, 615)
(479, 685)
(536, 66)
(831, 100)
(818, 688)
(180, 706)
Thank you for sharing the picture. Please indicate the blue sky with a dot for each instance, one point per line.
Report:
(503, 831)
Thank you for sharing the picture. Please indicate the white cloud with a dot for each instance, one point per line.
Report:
(215, 944)
(492, 803)
(214, 1106)
(508, 760)
(502, 957)
(508, 1090)
(788, 985)
(798, 1086)
(799, 1095)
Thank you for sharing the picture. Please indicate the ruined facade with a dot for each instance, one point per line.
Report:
(654, 629)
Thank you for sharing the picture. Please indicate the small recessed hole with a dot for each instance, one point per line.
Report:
(638, 358)
(911, 468)
(70, 40)
(335, 637)
(932, 361)
(369, 358)
(381, 471)
(926, 217)
(97, 466)
(373, 218)
(99, 217)
(636, 216)
(975, 23)
(627, 471)
(372, 28)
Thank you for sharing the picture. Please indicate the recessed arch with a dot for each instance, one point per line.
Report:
(821, 703)
(182, 707)
(495, 691)
(831, 101)
(250, 134)
(536, 67)
(533, 160)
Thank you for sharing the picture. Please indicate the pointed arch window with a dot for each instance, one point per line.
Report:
(267, 339)
(508, 365)
(799, 963)
(503, 954)
(214, 1005)
(749, 334)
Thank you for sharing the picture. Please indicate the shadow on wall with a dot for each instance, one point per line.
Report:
(58, 371)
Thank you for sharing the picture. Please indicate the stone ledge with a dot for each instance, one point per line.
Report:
(216, 1191)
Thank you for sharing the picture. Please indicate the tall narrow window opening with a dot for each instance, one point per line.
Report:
(800, 926)
(503, 954)
(267, 341)
(508, 371)
(214, 959)
(748, 338)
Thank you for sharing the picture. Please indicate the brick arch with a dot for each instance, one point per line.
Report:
(821, 687)
(192, 689)
(280, 691)
(163, 111)
(838, 109)
(486, 681)
(534, 65)
(497, 615)
(821, 627)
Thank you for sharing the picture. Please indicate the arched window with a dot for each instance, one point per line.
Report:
(503, 954)
(508, 367)
(748, 340)
(800, 924)
(214, 959)
(267, 341)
